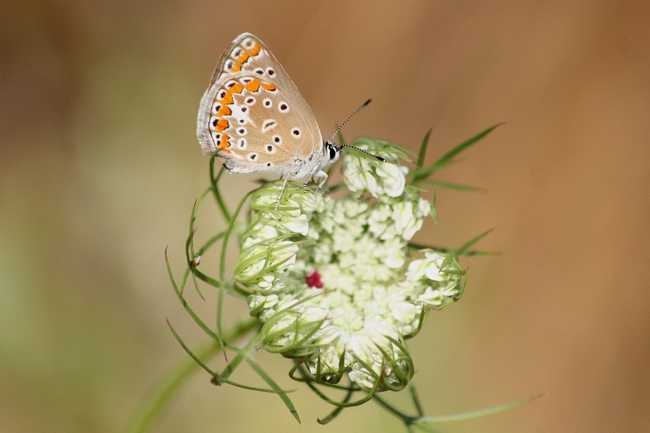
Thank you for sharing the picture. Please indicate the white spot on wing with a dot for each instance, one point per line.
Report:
(242, 117)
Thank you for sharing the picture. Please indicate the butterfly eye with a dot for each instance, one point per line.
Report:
(334, 152)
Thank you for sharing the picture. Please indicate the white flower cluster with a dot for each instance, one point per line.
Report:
(333, 279)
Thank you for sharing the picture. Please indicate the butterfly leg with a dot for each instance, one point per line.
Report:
(320, 175)
(284, 185)
(310, 177)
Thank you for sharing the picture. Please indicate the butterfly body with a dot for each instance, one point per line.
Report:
(254, 117)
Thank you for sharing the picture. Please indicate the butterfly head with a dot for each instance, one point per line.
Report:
(332, 152)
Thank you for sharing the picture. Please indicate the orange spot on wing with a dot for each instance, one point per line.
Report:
(268, 86)
(222, 124)
(235, 68)
(255, 50)
(224, 111)
(243, 58)
(225, 141)
(253, 86)
(237, 88)
(227, 99)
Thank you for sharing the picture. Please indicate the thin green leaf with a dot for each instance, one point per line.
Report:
(214, 181)
(251, 388)
(208, 280)
(465, 247)
(359, 402)
(189, 351)
(479, 413)
(190, 256)
(416, 400)
(336, 411)
(447, 158)
(451, 185)
(187, 307)
(281, 393)
(242, 354)
(423, 149)
(469, 253)
(434, 210)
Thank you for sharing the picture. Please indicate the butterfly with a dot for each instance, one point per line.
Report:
(253, 115)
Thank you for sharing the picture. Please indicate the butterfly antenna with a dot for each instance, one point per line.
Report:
(365, 104)
(363, 151)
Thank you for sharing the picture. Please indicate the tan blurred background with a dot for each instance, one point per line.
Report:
(99, 167)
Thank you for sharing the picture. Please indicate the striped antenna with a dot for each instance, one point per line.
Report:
(365, 104)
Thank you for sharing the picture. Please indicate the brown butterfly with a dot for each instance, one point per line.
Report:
(256, 119)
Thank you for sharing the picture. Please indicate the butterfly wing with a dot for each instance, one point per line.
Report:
(254, 116)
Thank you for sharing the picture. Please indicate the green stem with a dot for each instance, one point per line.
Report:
(406, 419)
(162, 394)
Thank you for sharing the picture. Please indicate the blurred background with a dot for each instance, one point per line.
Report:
(99, 168)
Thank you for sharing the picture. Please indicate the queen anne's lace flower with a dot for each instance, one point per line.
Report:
(333, 280)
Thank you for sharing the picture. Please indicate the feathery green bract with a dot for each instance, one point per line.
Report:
(422, 173)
